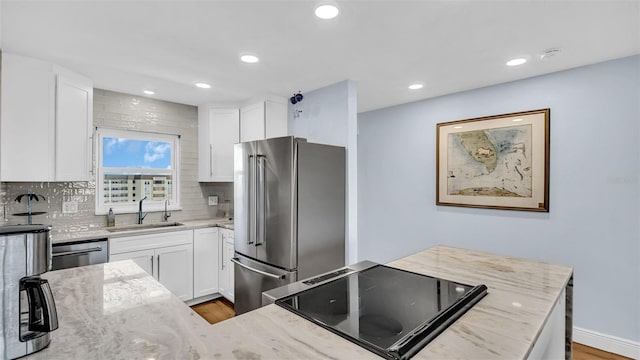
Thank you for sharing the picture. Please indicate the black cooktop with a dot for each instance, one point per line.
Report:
(391, 312)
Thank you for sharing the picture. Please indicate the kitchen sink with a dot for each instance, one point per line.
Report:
(144, 226)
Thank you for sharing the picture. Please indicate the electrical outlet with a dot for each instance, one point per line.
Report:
(69, 207)
(213, 200)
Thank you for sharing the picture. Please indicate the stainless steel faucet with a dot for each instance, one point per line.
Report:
(140, 216)
(166, 215)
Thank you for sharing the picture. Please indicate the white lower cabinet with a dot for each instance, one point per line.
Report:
(226, 275)
(190, 263)
(168, 257)
(175, 270)
(143, 258)
(206, 261)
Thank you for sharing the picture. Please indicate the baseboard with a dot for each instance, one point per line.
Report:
(202, 299)
(607, 343)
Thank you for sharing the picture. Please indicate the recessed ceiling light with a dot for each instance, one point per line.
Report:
(149, 92)
(516, 61)
(415, 86)
(327, 11)
(248, 58)
(202, 85)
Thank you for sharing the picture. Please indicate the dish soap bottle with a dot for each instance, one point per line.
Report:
(111, 218)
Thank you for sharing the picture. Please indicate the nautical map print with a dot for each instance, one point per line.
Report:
(493, 162)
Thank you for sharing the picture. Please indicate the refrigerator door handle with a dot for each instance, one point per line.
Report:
(261, 221)
(251, 199)
(237, 262)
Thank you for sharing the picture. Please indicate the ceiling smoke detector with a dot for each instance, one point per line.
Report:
(549, 53)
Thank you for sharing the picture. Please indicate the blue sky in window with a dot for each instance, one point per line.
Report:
(130, 153)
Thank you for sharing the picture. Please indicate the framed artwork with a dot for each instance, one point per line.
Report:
(494, 162)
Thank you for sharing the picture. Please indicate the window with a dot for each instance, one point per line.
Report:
(134, 166)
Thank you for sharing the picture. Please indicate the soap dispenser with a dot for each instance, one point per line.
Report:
(111, 218)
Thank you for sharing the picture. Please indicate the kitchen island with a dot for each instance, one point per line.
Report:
(118, 311)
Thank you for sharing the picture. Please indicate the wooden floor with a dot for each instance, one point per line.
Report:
(216, 310)
(220, 309)
(583, 352)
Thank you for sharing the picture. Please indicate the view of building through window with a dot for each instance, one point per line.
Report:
(132, 188)
(136, 165)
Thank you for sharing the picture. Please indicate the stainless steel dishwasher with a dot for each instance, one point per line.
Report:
(79, 253)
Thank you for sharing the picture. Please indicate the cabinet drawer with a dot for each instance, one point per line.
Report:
(123, 244)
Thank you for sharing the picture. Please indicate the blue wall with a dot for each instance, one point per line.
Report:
(329, 116)
(594, 217)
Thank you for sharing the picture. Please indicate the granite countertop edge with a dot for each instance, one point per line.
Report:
(58, 238)
(125, 302)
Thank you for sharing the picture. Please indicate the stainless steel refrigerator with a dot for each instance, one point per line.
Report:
(289, 214)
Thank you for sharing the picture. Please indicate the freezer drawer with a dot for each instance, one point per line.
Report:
(252, 278)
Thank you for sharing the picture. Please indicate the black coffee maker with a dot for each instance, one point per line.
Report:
(28, 309)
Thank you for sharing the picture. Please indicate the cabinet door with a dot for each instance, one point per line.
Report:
(224, 127)
(175, 270)
(205, 148)
(26, 129)
(275, 119)
(218, 131)
(144, 259)
(228, 250)
(74, 129)
(205, 262)
(224, 268)
(252, 125)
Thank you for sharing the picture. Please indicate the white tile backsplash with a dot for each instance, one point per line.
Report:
(124, 111)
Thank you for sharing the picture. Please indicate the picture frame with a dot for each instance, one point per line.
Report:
(494, 162)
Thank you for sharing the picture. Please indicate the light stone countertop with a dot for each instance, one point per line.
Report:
(118, 311)
(102, 233)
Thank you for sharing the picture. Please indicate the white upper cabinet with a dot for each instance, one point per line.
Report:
(46, 122)
(218, 131)
(74, 126)
(27, 120)
(263, 119)
(252, 122)
(275, 119)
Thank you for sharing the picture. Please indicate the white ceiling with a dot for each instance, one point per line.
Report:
(450, 46)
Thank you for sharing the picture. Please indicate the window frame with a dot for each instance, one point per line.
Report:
(102, 208)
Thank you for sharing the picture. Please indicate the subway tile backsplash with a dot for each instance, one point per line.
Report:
(123, 111)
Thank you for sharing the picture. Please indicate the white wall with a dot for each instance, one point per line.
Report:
(329, 116)
(594, 217)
